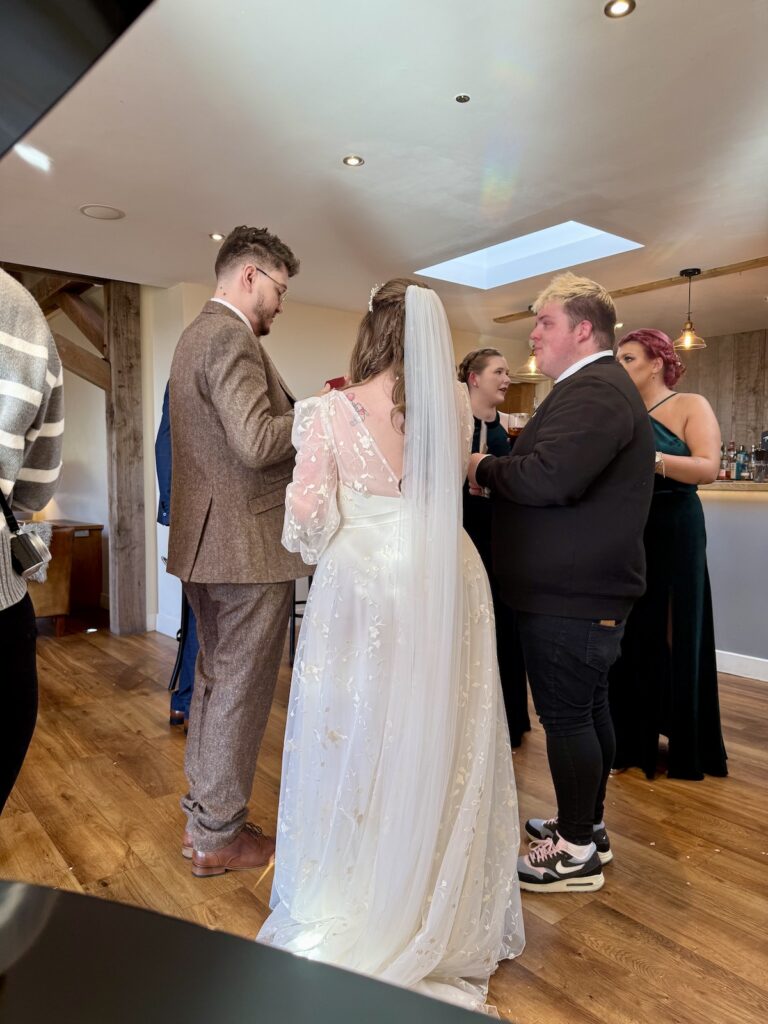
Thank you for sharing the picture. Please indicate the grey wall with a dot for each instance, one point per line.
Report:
(737, 553)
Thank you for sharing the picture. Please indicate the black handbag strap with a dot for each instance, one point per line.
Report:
(10, 518)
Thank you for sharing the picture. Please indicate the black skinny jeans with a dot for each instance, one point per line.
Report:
(568, 662)
(18, 692)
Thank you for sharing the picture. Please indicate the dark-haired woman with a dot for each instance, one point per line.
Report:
(665, 682)
(486, 374)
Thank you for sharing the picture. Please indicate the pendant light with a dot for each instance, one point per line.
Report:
(689, 339)
(528, 373)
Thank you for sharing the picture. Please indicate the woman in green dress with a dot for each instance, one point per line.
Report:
(665, 682)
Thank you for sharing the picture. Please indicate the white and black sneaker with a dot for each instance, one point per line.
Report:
(546, 828)
(549, 867)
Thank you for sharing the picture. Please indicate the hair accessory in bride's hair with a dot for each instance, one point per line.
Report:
(374, 290)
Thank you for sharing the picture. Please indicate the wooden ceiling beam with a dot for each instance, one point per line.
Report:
(83, 364)
(652, 286)
(88, 320)
(23, 268)
(45, 291)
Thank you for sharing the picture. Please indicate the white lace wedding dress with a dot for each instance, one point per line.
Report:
(398, 831)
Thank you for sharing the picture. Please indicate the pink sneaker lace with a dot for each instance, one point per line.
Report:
(540, 850)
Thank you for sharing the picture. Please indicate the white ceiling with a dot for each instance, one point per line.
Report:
(205, 115)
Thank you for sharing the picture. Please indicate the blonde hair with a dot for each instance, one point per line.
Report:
(381, 340)
(582, 299)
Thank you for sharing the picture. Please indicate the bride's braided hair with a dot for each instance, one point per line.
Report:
(380, 341)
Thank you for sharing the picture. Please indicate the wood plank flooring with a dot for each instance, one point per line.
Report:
(677, 934)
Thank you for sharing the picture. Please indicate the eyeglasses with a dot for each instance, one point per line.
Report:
(282, 291)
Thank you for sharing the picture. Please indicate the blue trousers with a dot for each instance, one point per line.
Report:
(181, 698)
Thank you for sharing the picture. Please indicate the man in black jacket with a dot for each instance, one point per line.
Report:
(570, 507)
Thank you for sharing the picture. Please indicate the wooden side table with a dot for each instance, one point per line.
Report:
(74, 572)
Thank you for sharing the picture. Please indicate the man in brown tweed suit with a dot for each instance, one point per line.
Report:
(231, 421)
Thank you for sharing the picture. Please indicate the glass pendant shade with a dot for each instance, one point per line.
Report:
(528, 373)
(689, 339)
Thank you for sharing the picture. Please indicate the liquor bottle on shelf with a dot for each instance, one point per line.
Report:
(724, 471)
(731, 454)
(742, 463)
(754, 463)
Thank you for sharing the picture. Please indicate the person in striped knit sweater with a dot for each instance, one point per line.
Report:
(31, 431)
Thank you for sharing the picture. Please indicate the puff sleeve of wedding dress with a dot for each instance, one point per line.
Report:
(311, 511)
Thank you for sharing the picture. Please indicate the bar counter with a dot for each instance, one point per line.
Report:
(744, 486)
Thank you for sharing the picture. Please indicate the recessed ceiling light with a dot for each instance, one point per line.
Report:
(462, 98)
(216, 237)
(541, 252)
(33, 156)
(618, 326)
(619, 8)
(99, 212)
(353, 160)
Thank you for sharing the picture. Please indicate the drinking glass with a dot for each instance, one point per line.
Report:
(517, 422)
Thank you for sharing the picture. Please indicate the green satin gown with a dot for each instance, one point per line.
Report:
(665, 682)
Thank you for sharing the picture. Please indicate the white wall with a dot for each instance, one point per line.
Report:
(163, 318)
(82, 492)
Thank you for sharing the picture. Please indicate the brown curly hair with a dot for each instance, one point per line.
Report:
(244, 243)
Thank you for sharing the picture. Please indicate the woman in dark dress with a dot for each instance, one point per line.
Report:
(486, 375)
(665, 682)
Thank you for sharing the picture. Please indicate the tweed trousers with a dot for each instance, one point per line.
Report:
(241, 629)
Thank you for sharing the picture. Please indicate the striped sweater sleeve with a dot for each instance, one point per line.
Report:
(38, 475)
(31, 411)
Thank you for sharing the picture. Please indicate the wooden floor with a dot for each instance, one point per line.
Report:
(677, 934)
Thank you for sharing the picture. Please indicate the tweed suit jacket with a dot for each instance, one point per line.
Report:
(231, 422)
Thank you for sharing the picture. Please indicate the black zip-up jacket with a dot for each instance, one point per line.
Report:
(570, 505)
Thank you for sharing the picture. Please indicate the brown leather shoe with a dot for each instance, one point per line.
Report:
(176, 717)
(249, 849)
(187, 846)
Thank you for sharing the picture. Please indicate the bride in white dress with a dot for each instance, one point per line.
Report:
(398, 830)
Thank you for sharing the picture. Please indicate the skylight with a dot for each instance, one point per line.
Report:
(556, 248)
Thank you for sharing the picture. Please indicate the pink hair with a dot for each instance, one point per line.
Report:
(657, 346)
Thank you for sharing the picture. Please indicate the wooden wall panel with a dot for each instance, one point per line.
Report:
(693, 363)
(725, 348)
(732, 373)
(748, 390)
(709, 378)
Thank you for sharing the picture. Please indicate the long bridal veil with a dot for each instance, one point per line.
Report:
(444, 846)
